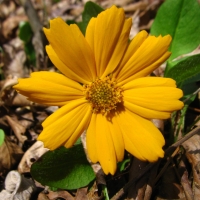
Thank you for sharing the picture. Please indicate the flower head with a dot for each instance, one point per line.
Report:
(105, 88)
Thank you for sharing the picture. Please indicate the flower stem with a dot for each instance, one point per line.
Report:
(105, 192)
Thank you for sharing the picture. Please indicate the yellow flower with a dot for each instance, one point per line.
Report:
(105, 88)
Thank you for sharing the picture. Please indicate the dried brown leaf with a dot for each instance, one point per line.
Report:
(11, 23)
(18, 129)
(81, 194)
(8, 83)
(192, 147)
(26, 117)
(15, 99)
(42, 196)
(16, 66)
(60, 194)
(6, 8)
(10, 155)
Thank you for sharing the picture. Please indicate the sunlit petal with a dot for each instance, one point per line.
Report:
(152, 50)
(108, 37)
(49, 88)
(152, 97)
(141, 138)
(71, 47)
(62, 67)
(105, 147)
(65, 125)
(132, 48)
(91, 141)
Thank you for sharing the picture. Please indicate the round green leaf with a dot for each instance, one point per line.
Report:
(63, 168)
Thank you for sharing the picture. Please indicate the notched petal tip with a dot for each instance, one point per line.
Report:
(168, 37)
(46, 30)
(56, 20)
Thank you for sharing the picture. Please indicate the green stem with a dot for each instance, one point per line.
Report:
(105, 192)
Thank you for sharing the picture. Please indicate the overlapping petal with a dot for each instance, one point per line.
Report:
(62, 67)
(117, 137)
(149, 55)
(49, 88)
(132, 48)
(91, 140)
(72, 49)
(101, 144)
(66, 125)
(108, 37)
(141, 138)
(105, 142)
(152, 97)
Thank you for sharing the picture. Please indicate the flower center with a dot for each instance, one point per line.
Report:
(103, 95)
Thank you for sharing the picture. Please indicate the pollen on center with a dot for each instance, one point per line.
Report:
(103, 95)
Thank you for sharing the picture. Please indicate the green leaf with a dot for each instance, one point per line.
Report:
(82, 25)
(90, 10)
(71, 22)
(63, 168)
(180, 19)
(26, 34)
(25, 31)
(2, 136)
(30, 53)
(185, 69)
(189, 88)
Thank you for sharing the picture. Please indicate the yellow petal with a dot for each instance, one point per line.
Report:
(119, 48)
(146, 71)
(65, 125)
(132, 48)
(105, 147)
(62, 67)
(72, 49)
(117, 138)
(49, 88)
(149, 82)
(90, 32)
(113, 129)
(108, 38)
(141, 138)
(149, 69)
(91, 141)
(152, 97)
(145, 112)
(152, 52)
